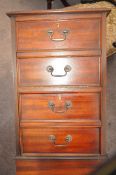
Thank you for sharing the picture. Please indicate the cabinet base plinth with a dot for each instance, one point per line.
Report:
(56, 167)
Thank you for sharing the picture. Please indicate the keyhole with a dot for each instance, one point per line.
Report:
(59, 97)
(58, 25)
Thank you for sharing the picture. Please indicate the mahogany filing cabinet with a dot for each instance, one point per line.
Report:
(60, 90)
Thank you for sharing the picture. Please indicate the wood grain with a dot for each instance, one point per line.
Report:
(83, 49)
(33, 35)
(85, 11)
(84, 71)
(56, 167)
(36, 140)
(36, 106)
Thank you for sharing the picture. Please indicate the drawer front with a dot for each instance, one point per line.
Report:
(73, 106)
(59, 71)
(60, 139)
(64, 34)
(55, 167)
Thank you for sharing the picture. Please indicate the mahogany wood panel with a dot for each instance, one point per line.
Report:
(55, 167)
(58, 89)
(66, 123)
(71, 12)
(84, 71)
(37, 140)
(59, 53)
(33, 35)
(83, 106)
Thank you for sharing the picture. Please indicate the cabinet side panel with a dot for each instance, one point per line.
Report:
(103, 79)
(14, 72)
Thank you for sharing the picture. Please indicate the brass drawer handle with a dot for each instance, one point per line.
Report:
(52, 139)
(64, 33)
(67, 105)
(114, 44)
(67, 69)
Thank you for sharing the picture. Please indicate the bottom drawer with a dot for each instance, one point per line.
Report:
(55, 167)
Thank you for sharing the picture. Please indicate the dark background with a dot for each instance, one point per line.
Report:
(7, 108)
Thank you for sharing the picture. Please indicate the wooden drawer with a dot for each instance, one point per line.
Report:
(59, 140)
(61, 34)
(59, 71)
(55, 167)
(71, 106)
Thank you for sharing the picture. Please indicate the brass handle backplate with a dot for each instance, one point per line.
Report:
(67, 105)
(63, 33)
(67, 69)
(52, 139)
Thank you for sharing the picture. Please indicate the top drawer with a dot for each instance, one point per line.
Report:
(63, 34)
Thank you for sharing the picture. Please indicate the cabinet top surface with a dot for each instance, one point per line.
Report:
(60, 11)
